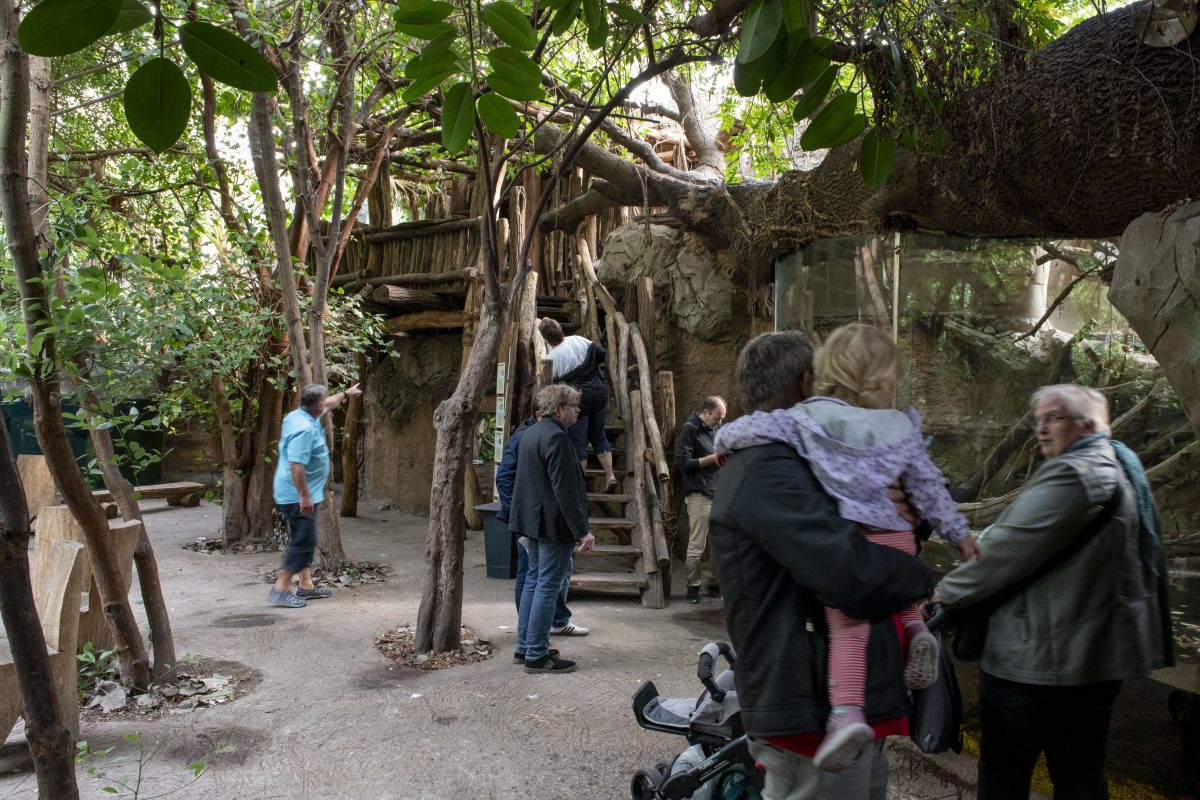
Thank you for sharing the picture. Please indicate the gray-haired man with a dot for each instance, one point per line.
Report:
(299, 488)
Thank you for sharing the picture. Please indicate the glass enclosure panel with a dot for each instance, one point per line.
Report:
(962, 309)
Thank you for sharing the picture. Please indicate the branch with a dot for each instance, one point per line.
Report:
(718, 19)
(708, 155)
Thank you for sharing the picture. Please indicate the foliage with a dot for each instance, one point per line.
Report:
(131, 785)
(93, 668)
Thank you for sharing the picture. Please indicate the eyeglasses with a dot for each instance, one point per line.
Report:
(571, 405)
(1052, 419)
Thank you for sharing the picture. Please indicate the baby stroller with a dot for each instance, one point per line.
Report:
(717, 765)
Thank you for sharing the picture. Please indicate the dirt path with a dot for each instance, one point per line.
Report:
(333, 719)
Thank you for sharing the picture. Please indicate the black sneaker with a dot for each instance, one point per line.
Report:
(519, 657)
(712, 591)
(550, 663)
(693, 595)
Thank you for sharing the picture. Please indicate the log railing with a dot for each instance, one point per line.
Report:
(646, 448)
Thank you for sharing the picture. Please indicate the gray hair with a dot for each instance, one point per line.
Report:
(312, 397)
(1081, 402)
(770, 366)
(553, 397)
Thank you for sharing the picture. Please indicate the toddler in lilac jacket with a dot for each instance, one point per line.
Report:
(857, 446)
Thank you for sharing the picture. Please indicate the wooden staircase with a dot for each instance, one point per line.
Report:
(631, 554)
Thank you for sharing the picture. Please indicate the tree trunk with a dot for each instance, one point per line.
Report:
(143, 555)
(440, 615)
(49, 740)
(130, 650)
(1001, 173)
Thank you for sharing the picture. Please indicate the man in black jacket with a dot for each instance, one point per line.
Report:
(698, 462)
(549, 508)
(782, 554)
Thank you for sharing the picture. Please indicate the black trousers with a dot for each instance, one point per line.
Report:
(1068, 723)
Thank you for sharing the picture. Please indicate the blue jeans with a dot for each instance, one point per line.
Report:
(562, 614)
(548, 568)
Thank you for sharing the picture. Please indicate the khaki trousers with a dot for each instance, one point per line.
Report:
(698, 564)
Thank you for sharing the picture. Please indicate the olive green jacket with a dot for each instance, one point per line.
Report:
(1100, 616)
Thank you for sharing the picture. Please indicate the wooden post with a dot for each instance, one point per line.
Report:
(664, 400)
(645, 317)
(652, 594)
(351, 436)
(647, 402)
(623, 369)
(661, 550)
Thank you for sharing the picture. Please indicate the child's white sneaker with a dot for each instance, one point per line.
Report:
(846, 734)
(921, 665)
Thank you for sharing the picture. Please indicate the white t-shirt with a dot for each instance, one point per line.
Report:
(568, 355)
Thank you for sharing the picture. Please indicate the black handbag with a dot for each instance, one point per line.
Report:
(936, 722)
(970, 624)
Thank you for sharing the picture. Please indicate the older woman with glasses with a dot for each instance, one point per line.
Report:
(1076, 581)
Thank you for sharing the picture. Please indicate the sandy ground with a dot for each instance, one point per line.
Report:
(332, 718)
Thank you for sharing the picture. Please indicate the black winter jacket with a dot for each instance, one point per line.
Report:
(549, 499)
(693, 442)
(782, 553)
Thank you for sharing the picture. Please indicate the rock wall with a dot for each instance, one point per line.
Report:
(1156, 285)
(399, 438)
(699, 278)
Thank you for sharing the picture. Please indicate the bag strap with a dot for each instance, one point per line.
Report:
(1055, 561)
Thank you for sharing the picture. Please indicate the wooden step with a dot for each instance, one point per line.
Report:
(610, 522)
(601, 497)
(612, 550)
(608, 581)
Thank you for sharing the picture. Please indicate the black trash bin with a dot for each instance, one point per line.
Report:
(499, 546)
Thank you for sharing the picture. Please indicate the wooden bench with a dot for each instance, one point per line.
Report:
(183, 493)
(55, 523)
(57, 596)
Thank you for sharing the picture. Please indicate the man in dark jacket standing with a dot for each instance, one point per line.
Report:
(506, 477)
(782, 553)
(697, 460)
(549, 508)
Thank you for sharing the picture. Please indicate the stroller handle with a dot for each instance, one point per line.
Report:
(939, 617)
(708, 660)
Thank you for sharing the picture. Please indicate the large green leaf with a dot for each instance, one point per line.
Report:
(760, 26)
(498, 115)
(59, 27)
(157, 103)
(458, 117)
(830, 122)
(801, 68)
(812, 98)
(852, 131)
(224, 57)
(423, 19)
(565, 16)
(432, 61)
(876, 158)
(748, 78)
(132, 16)
(514, 66)
(596, 17)
(628, 14)
(795, 16)
(510, 25)
(424, 85)
(514, 91)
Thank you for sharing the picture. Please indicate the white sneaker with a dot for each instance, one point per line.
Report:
(570, 629)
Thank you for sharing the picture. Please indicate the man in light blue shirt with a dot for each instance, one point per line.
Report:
(300, 475)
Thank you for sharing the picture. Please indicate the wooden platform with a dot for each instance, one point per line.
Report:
(183, 493)
(611, 550)
(608, 582)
